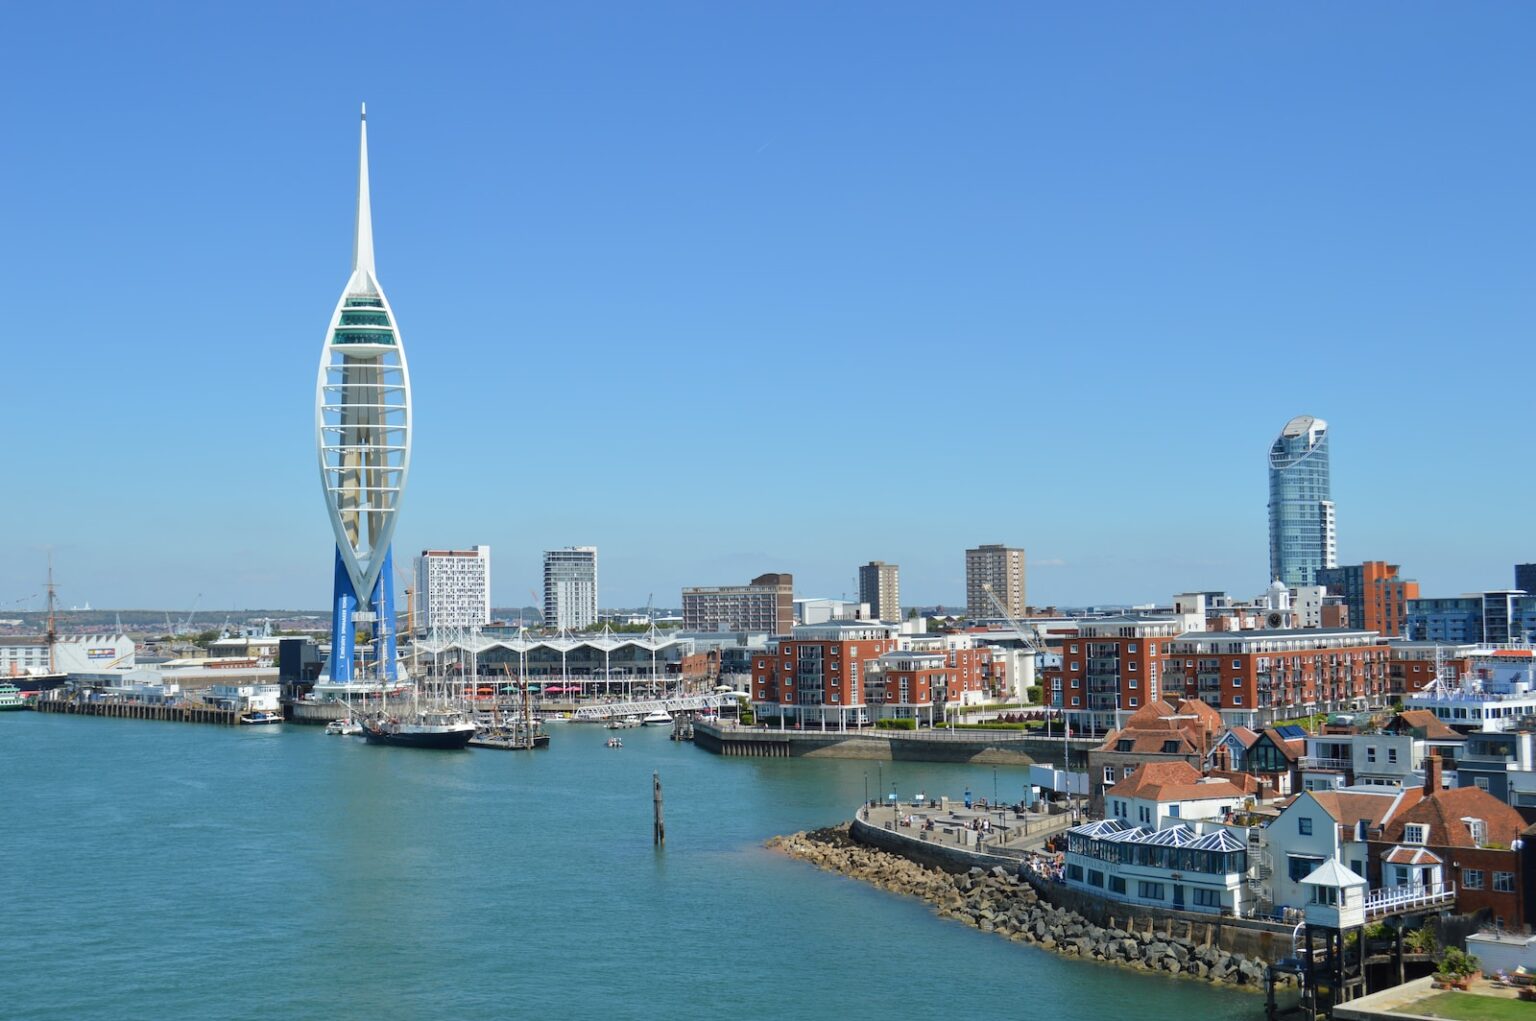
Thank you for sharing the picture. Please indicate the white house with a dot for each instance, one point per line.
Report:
(1160, 793)
(1321, 825)
(1182, 867)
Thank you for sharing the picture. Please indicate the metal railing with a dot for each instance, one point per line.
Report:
(1391, 900)
(1324, 762)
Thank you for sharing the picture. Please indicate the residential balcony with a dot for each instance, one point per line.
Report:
(1324, 762)
(1398, 900)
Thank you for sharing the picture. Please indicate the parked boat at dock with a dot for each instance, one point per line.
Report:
(260, 717)
(10, 698)
(658, 718)
(347, 726)
(442, 729)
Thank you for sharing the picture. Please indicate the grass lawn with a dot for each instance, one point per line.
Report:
(1472, 1007)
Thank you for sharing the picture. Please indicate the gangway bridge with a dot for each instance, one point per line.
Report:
(681, 703)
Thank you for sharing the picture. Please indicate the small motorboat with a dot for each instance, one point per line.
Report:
(347, 726)
(614, 742)
(261, 716)
(658, 719)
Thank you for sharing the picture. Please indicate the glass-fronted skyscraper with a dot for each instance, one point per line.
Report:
(363, 440)
(1301, 524)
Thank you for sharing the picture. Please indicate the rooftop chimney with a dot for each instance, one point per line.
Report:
(1431, 776)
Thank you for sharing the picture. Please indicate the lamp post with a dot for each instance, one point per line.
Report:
(866, 791)
(895, 808)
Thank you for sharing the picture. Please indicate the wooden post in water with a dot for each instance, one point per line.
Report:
(658, 828)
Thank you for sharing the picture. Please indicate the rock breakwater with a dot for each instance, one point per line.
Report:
(999, 902)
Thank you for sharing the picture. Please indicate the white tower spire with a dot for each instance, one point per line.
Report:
(362, 245)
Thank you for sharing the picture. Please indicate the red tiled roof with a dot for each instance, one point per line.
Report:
(1443, 811)
(1348, 807)
(1424, 723)
(1401, 855)
(1171, 781)
(1150, 740)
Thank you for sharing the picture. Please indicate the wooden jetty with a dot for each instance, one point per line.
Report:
(179, 713)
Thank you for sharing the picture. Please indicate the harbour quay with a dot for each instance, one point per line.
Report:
(1000, 747)
(180, 712)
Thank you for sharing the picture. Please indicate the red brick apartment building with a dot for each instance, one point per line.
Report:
(1412, 665)
(845, 672)
(1112, 664)
(1253, 676)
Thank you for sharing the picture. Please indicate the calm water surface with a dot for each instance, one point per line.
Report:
(170, 871)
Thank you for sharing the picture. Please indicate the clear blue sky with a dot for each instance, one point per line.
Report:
(728, 288)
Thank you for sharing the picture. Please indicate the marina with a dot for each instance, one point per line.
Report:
(538, 830)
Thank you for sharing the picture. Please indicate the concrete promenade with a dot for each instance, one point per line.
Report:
(1003, 747)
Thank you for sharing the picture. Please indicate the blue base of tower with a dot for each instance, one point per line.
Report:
(348, 662)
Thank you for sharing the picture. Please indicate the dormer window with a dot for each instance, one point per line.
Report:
(1415, 833)
(1125, 744)
(1171, 747)
(1478, 829)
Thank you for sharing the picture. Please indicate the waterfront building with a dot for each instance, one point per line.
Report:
(1318, 826)
(1162, 844)
(1157, 732)
(1394, 757)
(880, 587)
(1462, 835)
(1489, 618)
(1376, 596)
(363, 443)
(1114, 665)
(603, 663)
(818, 673)
(1413, 665)
(1254, 676)
(1302, 533)
(453, 588)
(1502, 763)
(22, 655)
(245, 698)
(998, 568)
(1496, 694)
(570, 588)
(929, 675)
(767, 605)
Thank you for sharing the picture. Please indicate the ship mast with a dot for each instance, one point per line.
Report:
(53, 624)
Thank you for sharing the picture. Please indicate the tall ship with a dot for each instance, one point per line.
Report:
(441, 728)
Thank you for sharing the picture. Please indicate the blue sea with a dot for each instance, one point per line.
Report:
(178, 871)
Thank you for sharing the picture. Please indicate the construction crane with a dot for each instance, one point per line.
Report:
(1036, 654)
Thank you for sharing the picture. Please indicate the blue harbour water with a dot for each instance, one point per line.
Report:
(175, 871)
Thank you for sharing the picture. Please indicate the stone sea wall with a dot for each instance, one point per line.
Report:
(998, 901)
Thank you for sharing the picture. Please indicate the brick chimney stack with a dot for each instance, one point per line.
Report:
(1431, 776)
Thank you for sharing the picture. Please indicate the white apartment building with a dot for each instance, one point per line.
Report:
(453, 588)
(570, 587)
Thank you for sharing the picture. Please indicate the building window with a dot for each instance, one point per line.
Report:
(1126, 771)
(1503, 882)
(1413, 833)
(1076, 700)
(1074, 649)
(1134, 701)
(1095, 877)
(1133, 682)
(1237, 664)
(1076, 683)
(1207, 898)
(1074, 667)
(1117, 884)
(1370, 754)
(1392, 755)
(1237, 682)
(1481, 782)
(1133, 666)
(1131, 647)
(1304, 826)
(1149, 891)
(1237, 700)
(1075, 873)
(1472, 879)
(1109, 773)
(1301, 866)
